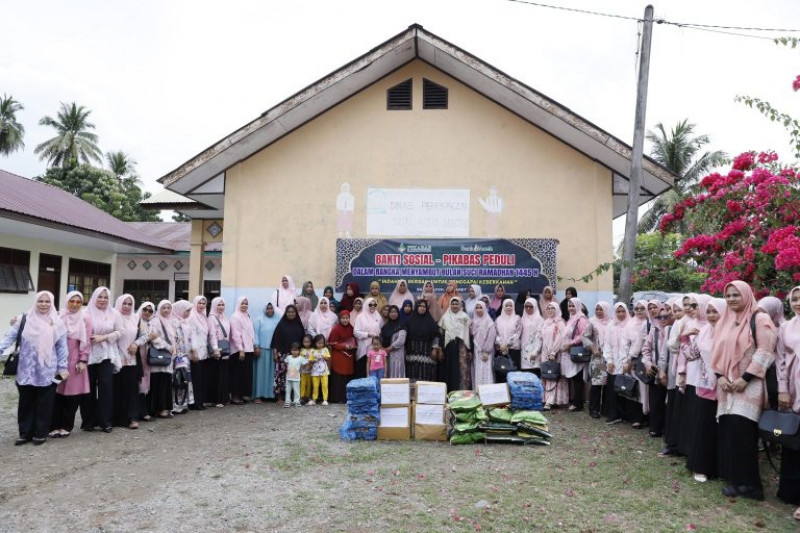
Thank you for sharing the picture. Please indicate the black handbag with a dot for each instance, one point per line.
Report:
(159, 356)
(223, 344)
(551, 370)
(625, 386)
(12, 362)
(502, 365)
(640, 370)
(579, 354)
(780, 427)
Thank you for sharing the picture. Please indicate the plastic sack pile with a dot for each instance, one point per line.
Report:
(526, 391)
(469, 422)
(363, 411)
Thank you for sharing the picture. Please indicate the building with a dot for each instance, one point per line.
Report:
(415, 117)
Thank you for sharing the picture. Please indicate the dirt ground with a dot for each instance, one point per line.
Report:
(266, 468)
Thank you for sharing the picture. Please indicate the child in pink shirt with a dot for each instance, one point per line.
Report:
(376, 357)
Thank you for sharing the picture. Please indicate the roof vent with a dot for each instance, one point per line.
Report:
(399, 96)
(434, 96)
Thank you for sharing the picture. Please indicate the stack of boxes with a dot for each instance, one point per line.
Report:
(395, 412)
(428, 411)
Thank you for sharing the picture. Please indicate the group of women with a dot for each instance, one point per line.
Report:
(700, 364)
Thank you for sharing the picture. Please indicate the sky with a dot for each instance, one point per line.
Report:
(166, 79)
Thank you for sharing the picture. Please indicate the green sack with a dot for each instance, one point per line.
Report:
(499, 414)
(529, 417)
(466, 438)
(478, 415)
(465, 427)
(463, 400)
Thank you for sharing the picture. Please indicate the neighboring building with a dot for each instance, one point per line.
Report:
(52, 240)
(155, 277)
(415, 113)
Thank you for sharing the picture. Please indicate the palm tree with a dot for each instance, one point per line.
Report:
(11, 131)
(679, 151)
(73, 143)
(121, 164)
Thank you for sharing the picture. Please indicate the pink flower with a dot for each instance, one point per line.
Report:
(796, 84)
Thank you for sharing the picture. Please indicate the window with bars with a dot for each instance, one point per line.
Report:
(15, 275)
(86, 276)
(434, 96)
(398, 98)
(146, 290)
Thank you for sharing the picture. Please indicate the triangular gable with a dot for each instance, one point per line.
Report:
(194, 176)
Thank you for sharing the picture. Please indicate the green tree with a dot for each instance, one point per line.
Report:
(73, 143)
(681, 152)
(180, 217)
(121, 164)
(11, 131)
(655, 267)
(102, 189)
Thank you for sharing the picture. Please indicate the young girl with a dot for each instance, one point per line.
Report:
(376, 358)
(305, 370)
(294, 361)
(320, 359)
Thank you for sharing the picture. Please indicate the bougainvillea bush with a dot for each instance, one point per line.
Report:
(751, 217)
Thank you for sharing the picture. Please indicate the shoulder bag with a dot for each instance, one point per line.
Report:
(223, 344)
(640, 370)
(626, 386)
(551, 370)
(10, 368)
(579, 354)
(160, 356)
(502, 365)
(780, 427)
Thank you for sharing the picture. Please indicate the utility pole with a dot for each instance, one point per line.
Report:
(635, 183)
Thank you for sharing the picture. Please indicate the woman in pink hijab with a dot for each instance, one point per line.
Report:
(788, 364)
(531, 326)
(509, 332)
(198, 324)
(499, 298)
(573, 336)
(105, 329)
(615, 356)
(634, 335)
(740, 363)
(42, 357)
(368, 325)
(555, 392)
(75, 389)
(400, 294)
(126, 381)
(594, 338)
(285, 294)
(303, 306)
(242, 352)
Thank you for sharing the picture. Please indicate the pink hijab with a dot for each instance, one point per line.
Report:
(165, 323)
(323, 321)
(480, 323)
(505, 323)
(369, 320)
(397, 298)
(354, 314)
(179, 309)
(241, 321)
(732, 336)
(543, 302)
(43, 329)
(601, 324)
(573, 319)
(198, 319)
(303, 305)
(102, 319)
(774, 308)
(130, 322)
(74, 322)
(284, 297)
(635, 326)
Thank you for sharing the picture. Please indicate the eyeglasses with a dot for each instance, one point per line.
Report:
(693, 306)
(373, 305)
(663, 317)
(147, 310)
(638, 308)
(528, 306)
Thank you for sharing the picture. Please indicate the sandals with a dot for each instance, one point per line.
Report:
(58, 434)
(547, 407)
(133, 425)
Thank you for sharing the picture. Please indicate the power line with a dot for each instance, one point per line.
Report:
(690, 25)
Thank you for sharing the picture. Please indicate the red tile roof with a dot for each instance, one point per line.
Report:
(36, 200)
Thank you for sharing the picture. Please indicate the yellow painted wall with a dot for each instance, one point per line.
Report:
(280, 214)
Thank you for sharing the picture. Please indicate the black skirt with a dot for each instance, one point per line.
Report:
(449, 370)
(738, 451)
(419, 364)
(160, 392)
(789, 484)
(674, 419)
(686, 437)
(337, 387)
(702, 457)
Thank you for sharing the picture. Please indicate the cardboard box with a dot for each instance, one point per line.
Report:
(496, 394)
(426, 432)
(431, 393)
(428, 415)
(395, 392)
(395, 423)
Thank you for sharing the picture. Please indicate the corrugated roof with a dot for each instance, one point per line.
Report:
(29, 199)
(177, 235)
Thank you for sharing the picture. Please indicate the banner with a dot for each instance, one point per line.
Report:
(418, 212)
(517, 264)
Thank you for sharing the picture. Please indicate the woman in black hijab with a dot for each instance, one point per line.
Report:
(571, 292)
(290, 329)
(422, 344)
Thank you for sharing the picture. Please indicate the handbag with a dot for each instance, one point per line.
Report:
(640, 370)
(223, 344)
(12, 362)
(780, 427)
(551, 370)
(160, 356)
(502, 365)
(625, 386)
(579, 354)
